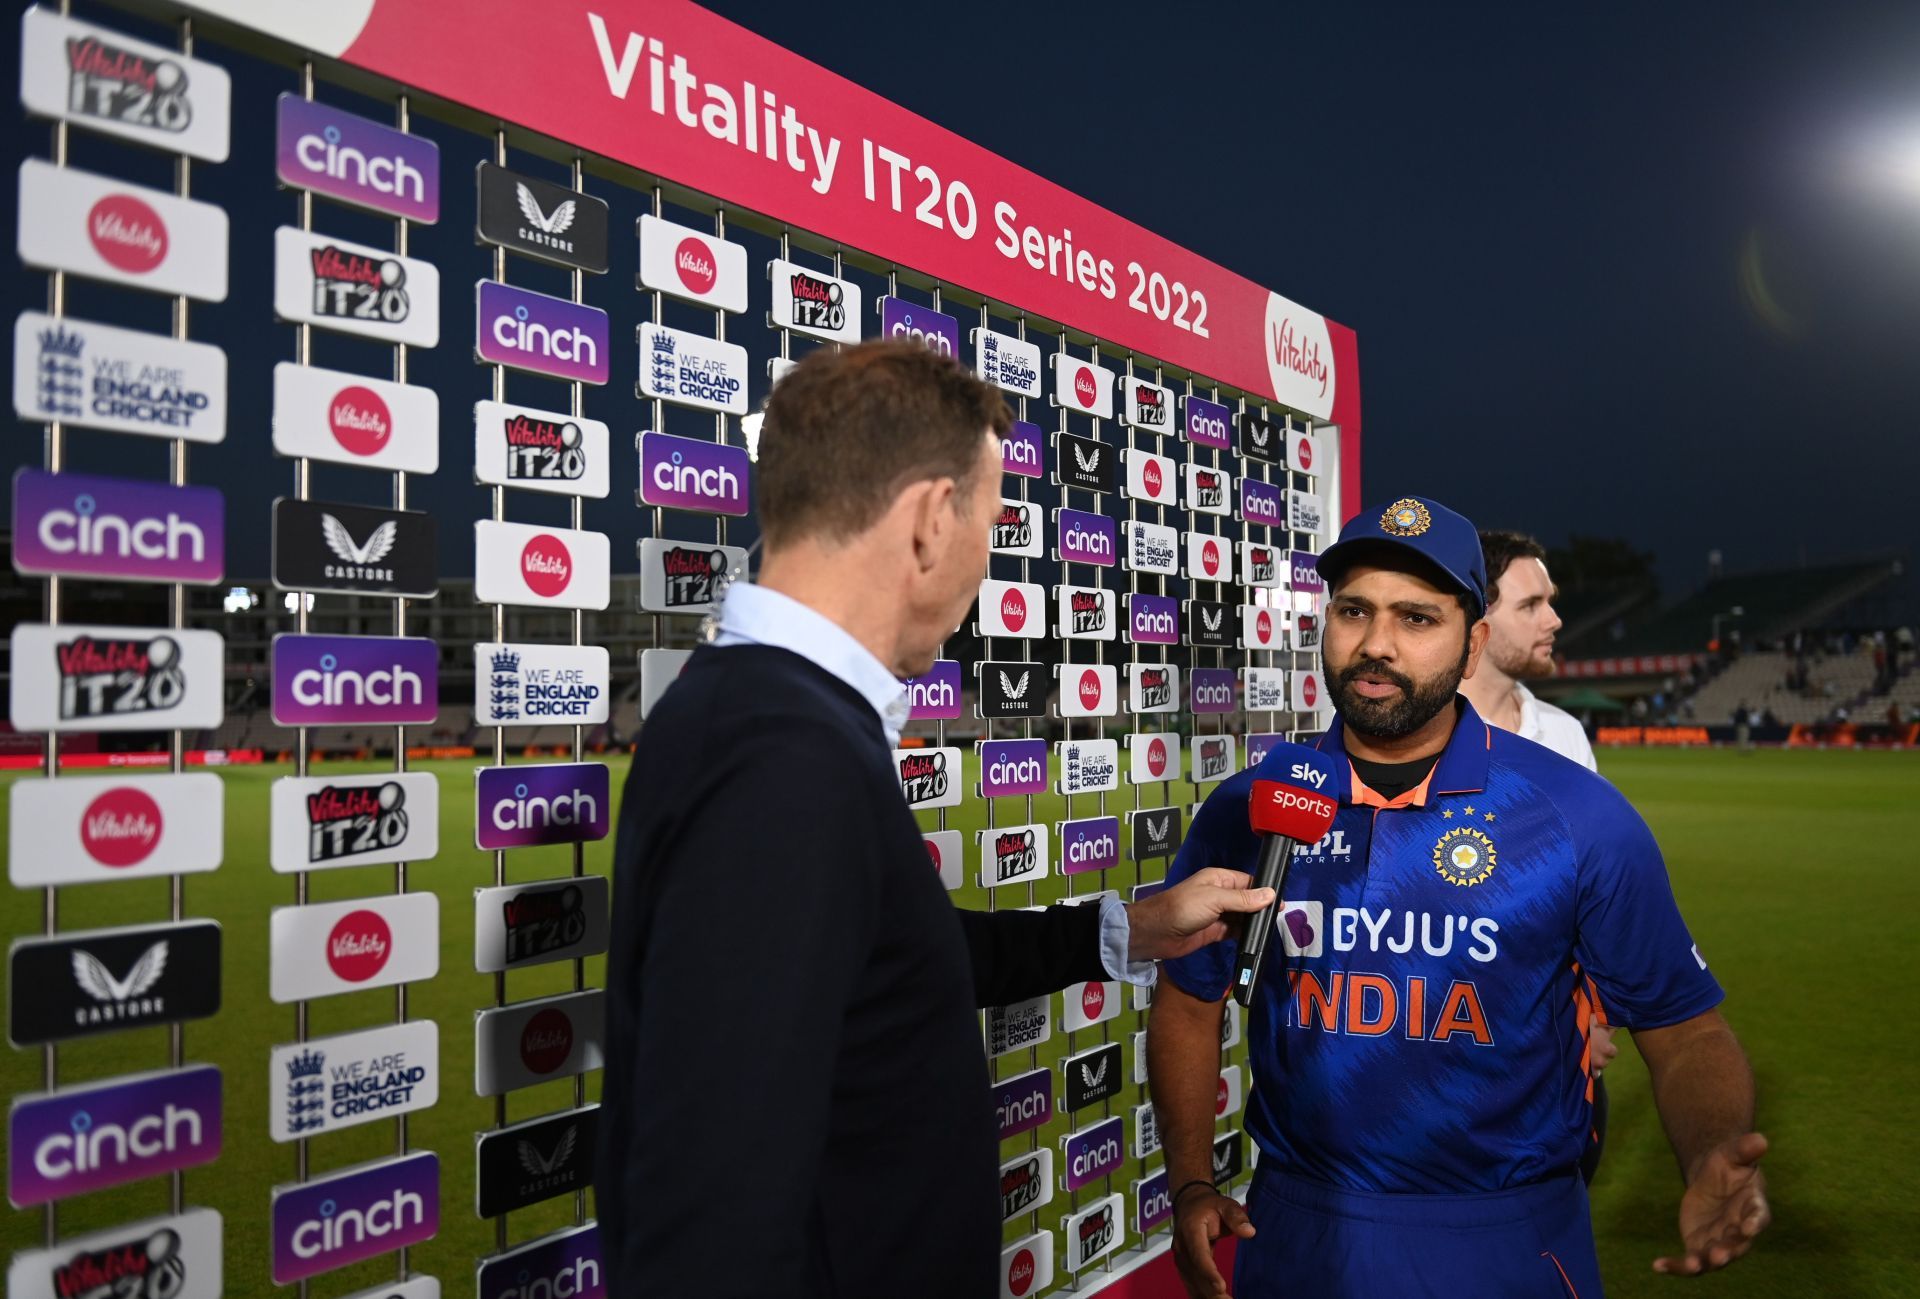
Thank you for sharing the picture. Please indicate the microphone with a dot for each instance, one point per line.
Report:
(1289, 805)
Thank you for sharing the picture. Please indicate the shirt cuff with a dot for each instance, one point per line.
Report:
(1116, 934)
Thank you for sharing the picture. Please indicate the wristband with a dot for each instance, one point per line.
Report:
(1174, 1203)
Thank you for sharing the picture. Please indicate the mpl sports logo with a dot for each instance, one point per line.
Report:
(1010, 689)
(77, 72)
(1012, 767)
(1208, 489)
(1208, 424)
(535, 219)
(342, 1081)
(319, 822)
(532, 1041)
(1209, 624)
(1153, 688)
(1153, 619)
(1082, 386)
(1022, 450)
(358, 1213)
(1095, 1151)
(1013, 854)
(1095, 1231)
(1260, 440)
(691, 264)
(1016, 530)
(540, 450)
(1088, 845)
(1146, 405)
(1266, 689)
(1212, 758)
(1089, 766)
(522, 564)
(354, 549)
(1016, 609)
(171, 1257)
(517, 925)
(82, 526)
(683, 577)
(1260, 627)
(1212, 690)
(355, 680)
(1086, 538)
(1086, 613)
(82, 829)
(812, 302)
(1007, 362)
(97, 376)
(689, 474)
(96, 1135)
(1026, 1183)
(692, 369)
(906, 320)
(356, 161)
(1260, 504)
(326, 948)
(1023, 1102)
(540, 685)
(527, 1163)
(1153, 548)
(94, 678)
(928, 777)
(1083, 463)
(566, 1263)
(1152, 758)
(103, 980)
(108, 230)
(1026, 1266)
(350, 419)
(353, 289)
(1154, 832)
(1091, 1077)
(540, 334)
(1089, 690)
(531, 804)
(935, 695)
(1018, 1026)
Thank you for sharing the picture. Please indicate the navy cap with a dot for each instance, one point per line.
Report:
(1422, 525)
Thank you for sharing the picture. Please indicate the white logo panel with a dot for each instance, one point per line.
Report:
(1150, 477)
(540, 685)
(328, 1083)
(1212, 758)
(1209, 491)
(109, 230)
(97, 376)
(692, 264)
(1016, 609)
(1087, 766)
(97, 78)
(659, 668)
(692, 369)
(1261, 628)
(1263, 689)
(1087, 613)
(540, 450)
(320, 822)
(332, 284)
(1082, 386)
(1146, 406)
(521, 563)
(373, 942)
(687, 576)
(1019, 529)
(929, 777)
(1012, 854)
(532, 1041)
(1303, 452)
(1153, 758)
(1007, 362)
(86, 677)
(1089, 689)
(1019, 1025)
(812, 302)
(181, 1248)
(1153, 688)
(947, 854)
(1209, 558)
(518, 925)
(1087, 1004)
(350, 419)
(1152, 548)
(83, 829)
(1305, 513)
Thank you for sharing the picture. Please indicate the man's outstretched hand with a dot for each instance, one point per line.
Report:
(1724, 1208)
(1191, 914)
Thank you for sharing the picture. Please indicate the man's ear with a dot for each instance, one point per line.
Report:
(1476, 642)
(929, 506)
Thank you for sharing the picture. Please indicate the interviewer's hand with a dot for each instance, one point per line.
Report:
(1201, 1218)
(1188, 916)
(1724, 1208)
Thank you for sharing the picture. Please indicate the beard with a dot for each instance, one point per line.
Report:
(1521, 664)
(1396, 716)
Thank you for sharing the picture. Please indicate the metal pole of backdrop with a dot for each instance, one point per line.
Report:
(177, 619)
(499, 503)
(302, 600)
(401, 228)
(577, 407)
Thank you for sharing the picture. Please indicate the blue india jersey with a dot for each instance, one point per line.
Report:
(1422, 1025)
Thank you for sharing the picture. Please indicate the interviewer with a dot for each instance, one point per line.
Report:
(796, 1099)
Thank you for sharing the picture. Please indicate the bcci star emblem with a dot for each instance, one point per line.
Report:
(1464, 857)
(1406, 517)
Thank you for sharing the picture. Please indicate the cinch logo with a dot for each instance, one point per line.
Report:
(1152, 478)
(1093, 1160)
(675, 475)
(1289, 354)
(1089, 689)
(931, 693)
(1154, 621)
(1087, 542)
(331, 686)
(1013, 610)
(546, 566)
(322, 154)
(934, 338)
(83, 530)
(128, 234)
(528, 811)
(121, 827)
(518, 332)
(1260, 503)
(1020, 453)
(546, 1041)
(1156, 757)
(1084, 387)
(359, 945)
(337, 1229)
(694, 262)
(1205, 426)
(1263, 627)
(1093, 849)
(1156, 1206)
(1306, 454)
(360, 421)
(1024, 1103)
(88, 1147)
(1212, 691)
(1016, 771)
(1020, 1272)
(582, 1276)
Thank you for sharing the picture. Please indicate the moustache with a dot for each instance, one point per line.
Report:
(1378, 669)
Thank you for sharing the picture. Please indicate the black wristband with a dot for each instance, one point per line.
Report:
(1174, 1203)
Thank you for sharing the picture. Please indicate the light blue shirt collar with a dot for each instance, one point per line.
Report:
(754, 615)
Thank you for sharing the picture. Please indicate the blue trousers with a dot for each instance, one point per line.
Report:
(1317, 1241)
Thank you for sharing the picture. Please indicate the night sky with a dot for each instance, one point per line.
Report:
(1652, 271)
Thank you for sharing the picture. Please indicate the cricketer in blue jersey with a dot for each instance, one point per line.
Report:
(1422, 1095)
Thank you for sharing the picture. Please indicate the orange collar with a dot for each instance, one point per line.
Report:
(1361, 794)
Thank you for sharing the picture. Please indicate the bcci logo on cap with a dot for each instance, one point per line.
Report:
(1464, 857)
(1406, 517)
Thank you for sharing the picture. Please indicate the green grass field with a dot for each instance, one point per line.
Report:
(1797, 871)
